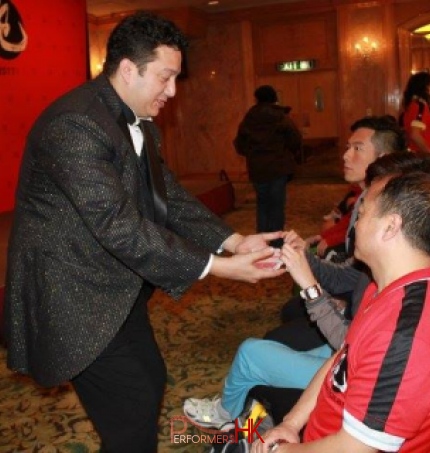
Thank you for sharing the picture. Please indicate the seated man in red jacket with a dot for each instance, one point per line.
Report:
(330, 243)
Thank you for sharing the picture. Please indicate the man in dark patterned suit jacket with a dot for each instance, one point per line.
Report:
(99, 223)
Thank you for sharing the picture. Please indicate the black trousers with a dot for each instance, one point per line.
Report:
(122, 390)
(297, 331)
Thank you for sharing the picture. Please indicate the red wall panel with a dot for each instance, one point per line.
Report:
(53, 61)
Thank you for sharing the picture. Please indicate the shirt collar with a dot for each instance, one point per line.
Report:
(131, 118)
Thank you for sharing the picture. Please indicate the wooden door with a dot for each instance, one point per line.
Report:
(318, 105)
(316, 116)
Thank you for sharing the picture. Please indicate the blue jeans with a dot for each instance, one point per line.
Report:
(271, 199)
(266, 362)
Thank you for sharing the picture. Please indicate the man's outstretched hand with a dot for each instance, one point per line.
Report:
(239, 244)
(244, 267)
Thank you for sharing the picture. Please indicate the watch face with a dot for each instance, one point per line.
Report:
(313, 292)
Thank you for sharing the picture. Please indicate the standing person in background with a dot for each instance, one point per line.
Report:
(100, 222)
(268, 138)
(415, 117)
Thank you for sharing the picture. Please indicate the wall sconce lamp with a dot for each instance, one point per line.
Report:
(365, 48)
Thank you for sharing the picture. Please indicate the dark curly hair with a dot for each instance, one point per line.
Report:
(417, 86)
(137, 36)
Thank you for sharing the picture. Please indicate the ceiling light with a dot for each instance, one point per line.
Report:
(423, 29)
(213, 2)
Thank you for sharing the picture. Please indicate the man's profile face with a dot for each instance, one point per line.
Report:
(360, 153)
(151, 87)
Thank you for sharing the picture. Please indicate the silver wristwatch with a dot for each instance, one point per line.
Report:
(311, 293)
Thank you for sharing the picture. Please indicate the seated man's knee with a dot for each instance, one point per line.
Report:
(251, 348)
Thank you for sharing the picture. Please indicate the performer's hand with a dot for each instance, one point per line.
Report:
(273, 262)
(244, 267)
(254, 242)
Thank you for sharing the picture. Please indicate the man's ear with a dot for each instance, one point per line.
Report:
(393, 226)
(125, 69)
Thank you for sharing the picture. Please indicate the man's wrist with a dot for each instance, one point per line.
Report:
(231, 243)
(289, 422)
(207, 268)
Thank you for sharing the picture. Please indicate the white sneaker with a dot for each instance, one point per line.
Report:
(207, 412)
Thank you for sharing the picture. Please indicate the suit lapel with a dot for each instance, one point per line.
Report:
(155, 171)
(112, 102)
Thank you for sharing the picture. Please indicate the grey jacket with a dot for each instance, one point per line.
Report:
(336, 278)
(84, 240)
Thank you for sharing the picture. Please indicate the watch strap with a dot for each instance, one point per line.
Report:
(311, 293)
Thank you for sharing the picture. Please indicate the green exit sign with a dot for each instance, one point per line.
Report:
(296, 65)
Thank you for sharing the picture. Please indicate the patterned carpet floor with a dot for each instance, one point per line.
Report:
(198, 337)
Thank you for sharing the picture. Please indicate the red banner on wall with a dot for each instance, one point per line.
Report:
(43, 54)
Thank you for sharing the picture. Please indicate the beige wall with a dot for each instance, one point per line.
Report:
(209, 104)
(233, 53)
(366, 85)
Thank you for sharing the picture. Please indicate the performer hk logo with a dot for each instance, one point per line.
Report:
(179, 426)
